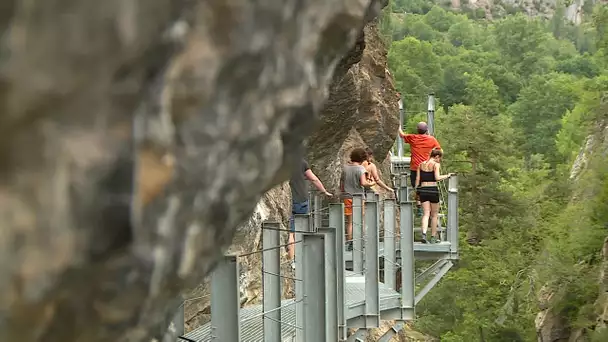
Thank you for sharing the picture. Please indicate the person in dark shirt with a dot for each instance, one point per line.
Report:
(299, 196)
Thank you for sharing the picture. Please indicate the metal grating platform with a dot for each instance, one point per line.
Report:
(252, 328)
(419, 247)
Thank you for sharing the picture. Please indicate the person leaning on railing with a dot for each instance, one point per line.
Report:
(299, 197)
(372, 173)
(421, 145)
(427, 176)
(353, 182)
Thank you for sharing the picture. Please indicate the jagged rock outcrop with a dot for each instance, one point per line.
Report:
(361, 111)
(136, 136)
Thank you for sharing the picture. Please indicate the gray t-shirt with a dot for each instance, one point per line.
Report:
(298, 183)
(351, 178)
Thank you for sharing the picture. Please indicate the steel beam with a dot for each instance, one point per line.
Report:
(390, 269)
(430, 116)
(271, 268)
(225, 300)
(314, 287)
(317, 211)
(435, 267)
(301, 224)
(336, 221)
(442, 271)
(372, 277)
(407, 256)
(331, 284)
(399, 139)
(358, 233)
(453, 213)
(394, 330)
(358, 336)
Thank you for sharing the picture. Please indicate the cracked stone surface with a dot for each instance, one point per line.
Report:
(136, 135)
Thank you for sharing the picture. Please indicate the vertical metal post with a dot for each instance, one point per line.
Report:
(453, 213)
(336, 221)
(430, 116)
(389, 244)
(407, 258)
(271, 268)
(399, 140)
(314, 287)
(225, 300)
(404, 188)
(301, 224)
(372, 277)
(317, 216)
(357, 233)
(331, 284)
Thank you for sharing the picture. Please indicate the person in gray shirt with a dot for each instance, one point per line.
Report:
(298, 183)
(353, 182)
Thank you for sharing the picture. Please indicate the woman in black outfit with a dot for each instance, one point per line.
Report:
(426, 185)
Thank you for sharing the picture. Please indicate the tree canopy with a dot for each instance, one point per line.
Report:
(517, 97)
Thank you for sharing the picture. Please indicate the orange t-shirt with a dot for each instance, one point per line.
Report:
(421, 147)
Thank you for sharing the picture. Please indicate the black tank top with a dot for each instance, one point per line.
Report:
(427, 176)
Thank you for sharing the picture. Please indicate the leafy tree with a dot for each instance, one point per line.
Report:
(538, 111)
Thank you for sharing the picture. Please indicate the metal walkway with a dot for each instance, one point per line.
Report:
(336, 290)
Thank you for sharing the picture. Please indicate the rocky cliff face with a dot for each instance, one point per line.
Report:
(136, 136)
(361, 111)
(550, 324)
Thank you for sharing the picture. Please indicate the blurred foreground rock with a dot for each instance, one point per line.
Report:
(136, 135)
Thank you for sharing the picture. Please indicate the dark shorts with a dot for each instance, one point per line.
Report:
(428, 194)
(297, 209)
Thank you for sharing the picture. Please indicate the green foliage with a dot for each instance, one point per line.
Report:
(517, 99)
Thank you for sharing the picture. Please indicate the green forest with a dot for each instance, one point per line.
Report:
(517, 97)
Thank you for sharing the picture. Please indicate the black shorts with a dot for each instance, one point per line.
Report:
(428, 194)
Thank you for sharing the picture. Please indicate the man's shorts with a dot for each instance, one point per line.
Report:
(297, 209)
(348, 207)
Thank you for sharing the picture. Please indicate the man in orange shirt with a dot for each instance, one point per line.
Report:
(421, 145)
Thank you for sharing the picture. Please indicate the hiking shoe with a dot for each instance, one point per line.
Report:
(349, 246)
(424, 240)
(434, 239)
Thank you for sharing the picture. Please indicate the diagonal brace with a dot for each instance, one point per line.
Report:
(442, 271)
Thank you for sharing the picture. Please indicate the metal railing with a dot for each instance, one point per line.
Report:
(321, 276)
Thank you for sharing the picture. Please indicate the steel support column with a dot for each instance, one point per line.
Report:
(358, 233)
(336, 221)
(301, 224)
(407, 259)
(430, 116)
(453, 213)
(372, 277)
(271, 268)
(225, 300)
(390, 275)
(314, 287)
(331, 284)
(317, 216)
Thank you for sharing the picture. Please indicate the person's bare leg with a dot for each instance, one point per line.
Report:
(426, 213)
(291, 247)
(349, 228)
(434, 218)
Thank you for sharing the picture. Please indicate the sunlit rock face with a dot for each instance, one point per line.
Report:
(136, 135)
